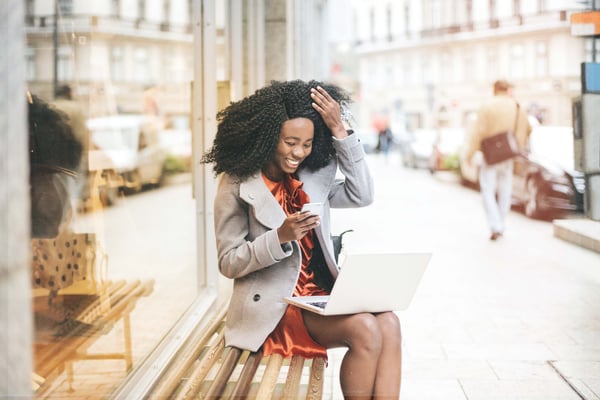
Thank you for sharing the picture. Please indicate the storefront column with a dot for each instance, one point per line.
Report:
(15, 288)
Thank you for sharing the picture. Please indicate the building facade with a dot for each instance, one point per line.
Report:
(426, 63)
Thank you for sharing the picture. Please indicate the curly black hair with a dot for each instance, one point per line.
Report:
(248, 130)
(52, 142)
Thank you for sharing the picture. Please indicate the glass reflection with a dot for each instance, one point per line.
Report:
(113, 218)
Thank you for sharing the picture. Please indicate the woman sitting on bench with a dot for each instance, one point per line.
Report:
(276, 150)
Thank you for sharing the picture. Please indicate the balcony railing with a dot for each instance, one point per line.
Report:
(110, 24)
(550, 18)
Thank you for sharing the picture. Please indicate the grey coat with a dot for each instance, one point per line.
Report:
(264, 271)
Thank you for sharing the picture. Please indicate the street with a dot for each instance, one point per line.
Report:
(514, 319)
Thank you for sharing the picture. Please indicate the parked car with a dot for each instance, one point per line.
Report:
(545, 182)
(127, 148)
(446, 148)
(419, 148)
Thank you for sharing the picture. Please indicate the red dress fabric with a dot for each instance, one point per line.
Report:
(290, 337)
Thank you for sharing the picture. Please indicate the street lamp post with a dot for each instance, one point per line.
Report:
(55, 48)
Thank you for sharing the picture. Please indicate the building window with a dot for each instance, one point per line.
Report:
(591, 50)
(29, 8)
(469, 12)
(141, 9)
(115, 8)
(469, 71)
(541, 59)
(65, 64)
(516, 7)
(166, 11)
(372, 24)
(65, 7)
(436, 14)
(517, 61)
(493, 10)
(31, 71)
(141, 65)
(388, 22)
(407, 19)
(446, 68)
(116, 64)
(492, 64)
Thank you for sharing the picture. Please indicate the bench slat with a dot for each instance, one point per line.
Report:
(225, 372)
(269, 379)
(200, 371)
(242, 386)
(315, 382)
(230, 360)
(190, 354)
(292, 383)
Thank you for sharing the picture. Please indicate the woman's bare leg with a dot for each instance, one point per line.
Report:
(371, 368)
(389, 368)
(360, 333)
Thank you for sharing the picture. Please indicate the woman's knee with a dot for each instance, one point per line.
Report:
(389, 324)
(366, 333)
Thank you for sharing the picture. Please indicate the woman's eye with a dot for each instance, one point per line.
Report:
(290, 144)
(308, 146)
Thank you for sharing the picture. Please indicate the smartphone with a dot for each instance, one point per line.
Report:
(313, 208)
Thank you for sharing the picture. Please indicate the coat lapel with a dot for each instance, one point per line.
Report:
(267, 210)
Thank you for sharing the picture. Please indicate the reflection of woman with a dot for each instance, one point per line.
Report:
(54, 155)
(275, 151)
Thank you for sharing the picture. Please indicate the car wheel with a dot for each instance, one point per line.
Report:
(108, 195)
(532, 207)
(134, 182)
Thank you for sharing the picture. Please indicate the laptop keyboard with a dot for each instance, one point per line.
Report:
(320, 304)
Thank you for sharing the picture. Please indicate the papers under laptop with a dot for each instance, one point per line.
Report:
(370, 283)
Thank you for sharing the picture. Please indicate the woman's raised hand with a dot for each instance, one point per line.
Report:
(330, 111)
(296, 225)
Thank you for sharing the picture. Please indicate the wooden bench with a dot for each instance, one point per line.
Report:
(207, 369)
(90, 315)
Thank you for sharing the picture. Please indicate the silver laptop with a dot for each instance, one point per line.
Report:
(370, 283)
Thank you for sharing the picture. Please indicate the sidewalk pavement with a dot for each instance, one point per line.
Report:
(516, 319)
(580, 231)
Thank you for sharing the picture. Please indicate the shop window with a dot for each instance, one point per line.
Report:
(114, 261)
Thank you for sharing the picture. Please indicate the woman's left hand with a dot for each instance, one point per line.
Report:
(330, 111)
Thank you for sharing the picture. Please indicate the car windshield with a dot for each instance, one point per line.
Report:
(554, 144)
(115, 139)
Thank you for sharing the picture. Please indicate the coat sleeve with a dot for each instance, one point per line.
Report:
(356, 187)
(239, 253)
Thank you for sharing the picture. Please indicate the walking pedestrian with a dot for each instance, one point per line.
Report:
(498, 114)
(276, 150)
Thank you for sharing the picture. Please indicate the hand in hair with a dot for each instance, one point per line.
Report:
(330, 111)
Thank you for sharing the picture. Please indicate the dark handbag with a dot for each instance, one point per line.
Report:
(501, 146)
(318, 265)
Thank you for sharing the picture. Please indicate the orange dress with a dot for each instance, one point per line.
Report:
(290, 337)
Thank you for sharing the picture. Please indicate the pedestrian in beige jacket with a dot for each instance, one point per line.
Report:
(498, 114)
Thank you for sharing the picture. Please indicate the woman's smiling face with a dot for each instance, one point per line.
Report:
(295, 144)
